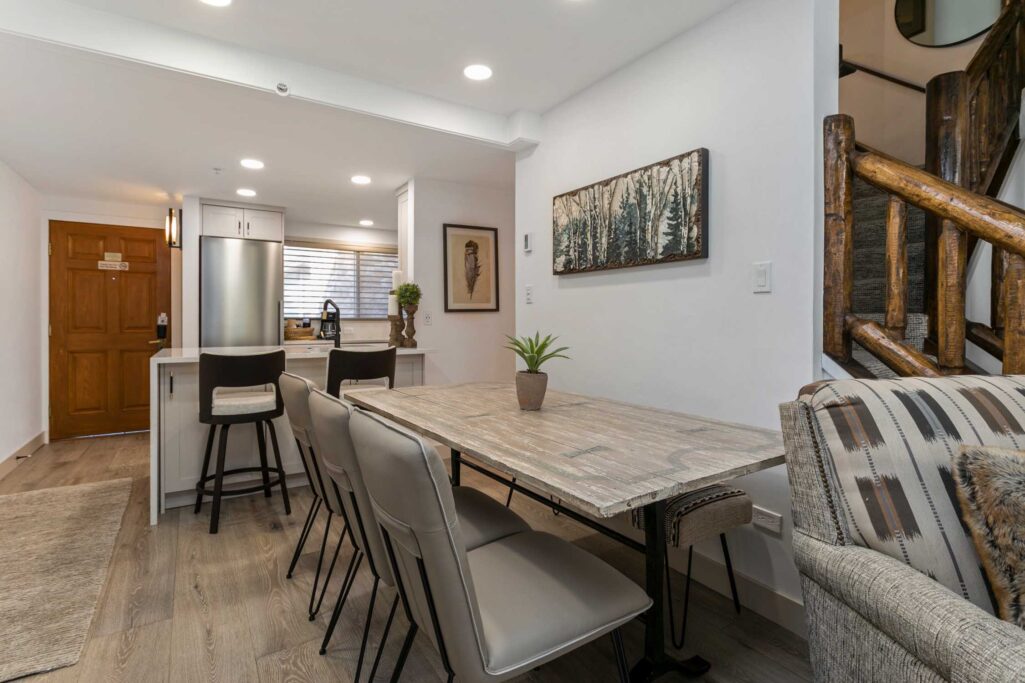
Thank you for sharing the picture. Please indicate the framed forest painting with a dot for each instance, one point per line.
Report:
(471, 268)
(655, 214)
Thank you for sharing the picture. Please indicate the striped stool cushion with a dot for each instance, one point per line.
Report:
(704, 513)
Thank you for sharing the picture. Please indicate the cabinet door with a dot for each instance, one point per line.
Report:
(264, 225)
(222, 221)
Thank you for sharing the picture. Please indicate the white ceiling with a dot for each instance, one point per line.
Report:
(78, 124)
(542, 51)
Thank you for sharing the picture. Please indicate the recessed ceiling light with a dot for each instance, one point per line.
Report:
(477, 72)
(366, 222)
(245, 192)
(252, 164)
(216, 3)
(361, 179)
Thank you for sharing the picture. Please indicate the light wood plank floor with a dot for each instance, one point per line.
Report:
(181, 605)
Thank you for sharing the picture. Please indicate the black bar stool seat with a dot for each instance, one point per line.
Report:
(235, 390)
(344, 365)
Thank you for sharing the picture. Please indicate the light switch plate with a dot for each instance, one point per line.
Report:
(767, 519)
(761, 277)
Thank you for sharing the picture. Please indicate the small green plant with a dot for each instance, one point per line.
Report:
(409, 294)
(535, 351)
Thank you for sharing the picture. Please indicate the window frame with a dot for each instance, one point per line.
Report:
(304, 243)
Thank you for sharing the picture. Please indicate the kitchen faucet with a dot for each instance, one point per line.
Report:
(338, 321)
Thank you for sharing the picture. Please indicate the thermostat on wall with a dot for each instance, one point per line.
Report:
(528, 242)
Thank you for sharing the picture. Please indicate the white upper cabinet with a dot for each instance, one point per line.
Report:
(223, 221)
(263, 225)
(254, 224)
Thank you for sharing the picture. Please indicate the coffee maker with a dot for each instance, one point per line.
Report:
(329, 325)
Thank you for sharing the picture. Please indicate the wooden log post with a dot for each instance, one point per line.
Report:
(1014, 320)
(902, 359)
(896, 268)
(997, 302)
(947, 122)
(838, 261)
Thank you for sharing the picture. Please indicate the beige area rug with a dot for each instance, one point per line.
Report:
(55, 548)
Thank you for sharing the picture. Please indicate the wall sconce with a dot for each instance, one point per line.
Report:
(173, 228)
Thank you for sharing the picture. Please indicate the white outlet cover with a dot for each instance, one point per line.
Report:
(767, 519)
(428, 319)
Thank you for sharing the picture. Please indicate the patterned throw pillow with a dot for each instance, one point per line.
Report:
(991, 486)
(887, 445)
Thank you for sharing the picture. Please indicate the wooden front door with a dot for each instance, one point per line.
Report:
(101, 325)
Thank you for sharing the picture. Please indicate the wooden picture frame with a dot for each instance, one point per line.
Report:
(654, 214)
(470, 268)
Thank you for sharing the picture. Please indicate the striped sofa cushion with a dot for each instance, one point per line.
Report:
(889, 444)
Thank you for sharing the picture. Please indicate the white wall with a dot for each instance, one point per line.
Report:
(889, 117)
(22, 308)
(692, 336)
(466, 347)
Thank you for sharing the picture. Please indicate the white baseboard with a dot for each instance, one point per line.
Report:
(754, 595)
(8, 464)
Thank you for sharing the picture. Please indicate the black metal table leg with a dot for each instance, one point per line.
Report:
(656, 662)
(456, 462)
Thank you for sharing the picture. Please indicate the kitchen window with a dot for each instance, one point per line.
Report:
(358, 279)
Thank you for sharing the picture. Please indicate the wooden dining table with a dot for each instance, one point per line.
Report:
(591, 458)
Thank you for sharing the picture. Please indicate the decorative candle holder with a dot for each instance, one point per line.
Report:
(395, 337)
(409, 342)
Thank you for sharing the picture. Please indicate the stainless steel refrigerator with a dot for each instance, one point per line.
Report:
(240, 292)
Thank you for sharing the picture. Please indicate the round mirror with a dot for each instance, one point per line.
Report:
(939, 23)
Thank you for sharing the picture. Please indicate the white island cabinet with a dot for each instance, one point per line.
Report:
(178, 439)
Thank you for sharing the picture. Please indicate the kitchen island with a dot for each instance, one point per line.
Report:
(177, 438)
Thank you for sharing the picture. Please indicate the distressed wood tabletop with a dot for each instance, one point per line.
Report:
(600, 456)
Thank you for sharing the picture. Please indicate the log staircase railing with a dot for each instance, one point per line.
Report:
(962, 213)
(971, 136)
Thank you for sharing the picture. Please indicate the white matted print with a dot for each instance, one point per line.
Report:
(471, 268)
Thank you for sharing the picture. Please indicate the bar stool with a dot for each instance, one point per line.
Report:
(296, 391)
(695, 517)
(239, 390)
(343, 365)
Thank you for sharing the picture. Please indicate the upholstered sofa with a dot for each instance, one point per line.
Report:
(893, 589)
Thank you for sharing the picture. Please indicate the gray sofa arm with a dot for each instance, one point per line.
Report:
(950, 635)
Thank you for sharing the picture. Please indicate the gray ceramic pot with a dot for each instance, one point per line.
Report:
(530, 389)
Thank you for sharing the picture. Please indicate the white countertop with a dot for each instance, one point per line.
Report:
(292, 351)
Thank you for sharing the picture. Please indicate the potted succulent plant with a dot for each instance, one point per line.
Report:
(531, 383)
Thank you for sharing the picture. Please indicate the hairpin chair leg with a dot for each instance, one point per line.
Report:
(314, 609)
(406, 645)
(366, 629)
(729, 572)
(621, 664)
(320, 562)
(384, 636)
(311, 517)
(678, 644)
(343, 594)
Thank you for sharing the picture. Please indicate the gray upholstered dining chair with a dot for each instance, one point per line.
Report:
(496, 611)
(484, 519)
(295, 391)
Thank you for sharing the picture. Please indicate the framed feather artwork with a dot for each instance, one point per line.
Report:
(471, 268)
